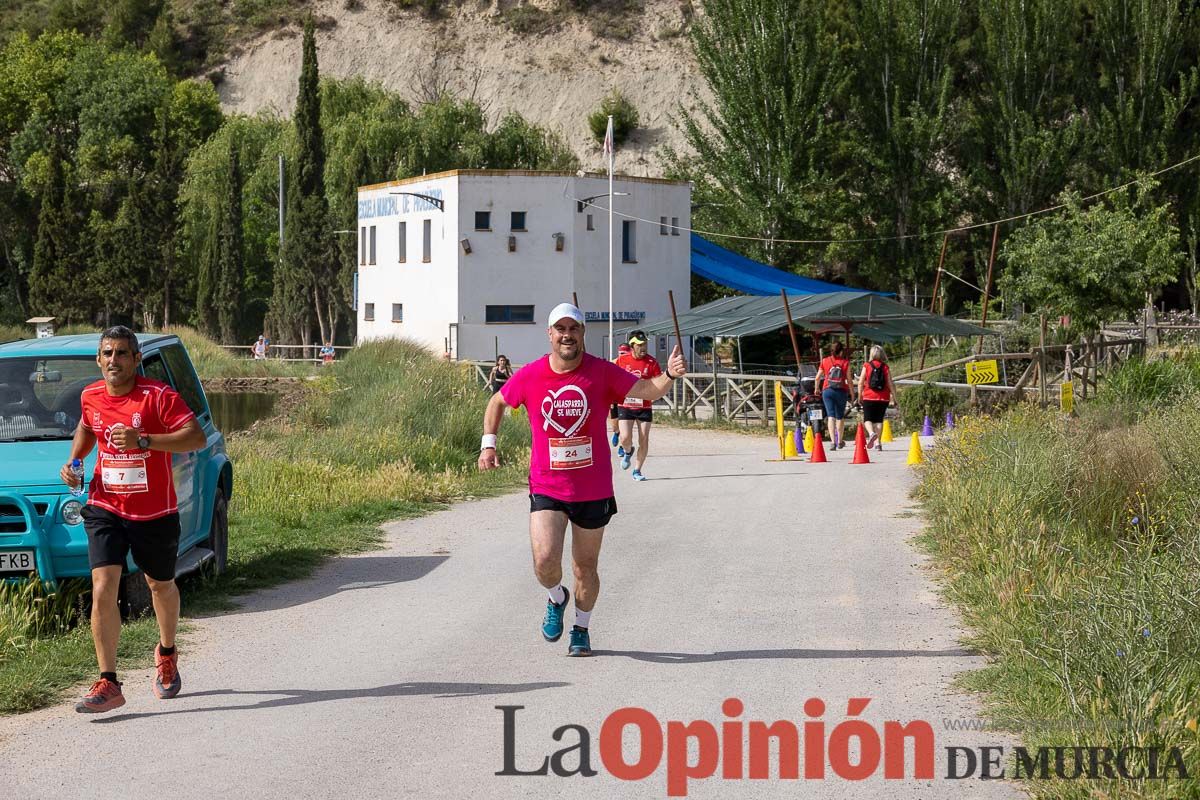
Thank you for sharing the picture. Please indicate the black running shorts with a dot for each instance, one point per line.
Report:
(591, 514)
(154, 542)
(873, 410)
(636, 414)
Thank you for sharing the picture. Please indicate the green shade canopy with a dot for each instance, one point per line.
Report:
(864, 314)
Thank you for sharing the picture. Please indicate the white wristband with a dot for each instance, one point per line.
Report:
(488, 442)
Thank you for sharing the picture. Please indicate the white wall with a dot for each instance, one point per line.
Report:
(457, 286)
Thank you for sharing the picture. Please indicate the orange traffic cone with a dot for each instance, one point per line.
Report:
(860, 447)
(818, 450)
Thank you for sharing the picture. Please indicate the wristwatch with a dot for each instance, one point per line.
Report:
(144, 442)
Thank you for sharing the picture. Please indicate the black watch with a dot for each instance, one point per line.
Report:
(667, 372)
(144, 442)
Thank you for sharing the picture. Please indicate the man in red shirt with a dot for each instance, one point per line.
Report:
(634, 410)
(139, 423)
(570, 474)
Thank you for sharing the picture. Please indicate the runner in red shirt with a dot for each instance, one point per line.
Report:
(131, 506)
(565, 395)
(635, 411)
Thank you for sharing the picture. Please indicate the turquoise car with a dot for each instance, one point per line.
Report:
(41, 531)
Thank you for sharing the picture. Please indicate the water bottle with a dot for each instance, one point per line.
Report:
(77, 471)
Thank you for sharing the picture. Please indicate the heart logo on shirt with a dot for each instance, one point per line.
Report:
(564, 410)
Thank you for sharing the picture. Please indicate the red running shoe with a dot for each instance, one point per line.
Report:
(104, 695)
(166, 682)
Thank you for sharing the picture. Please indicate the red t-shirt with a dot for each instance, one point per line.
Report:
(646, 367)
(568, 419)
(135, 484)
(837, 372)
(883, 395)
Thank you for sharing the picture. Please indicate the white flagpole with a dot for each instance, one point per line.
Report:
(610, 146)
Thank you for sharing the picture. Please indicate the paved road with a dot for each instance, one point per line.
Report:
(725, 575)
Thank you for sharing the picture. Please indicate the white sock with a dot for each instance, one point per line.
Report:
(582, 618)
(557, 595)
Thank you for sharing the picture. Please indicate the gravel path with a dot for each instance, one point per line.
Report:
(725, 575)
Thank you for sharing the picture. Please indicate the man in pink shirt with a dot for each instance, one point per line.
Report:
(566, 394)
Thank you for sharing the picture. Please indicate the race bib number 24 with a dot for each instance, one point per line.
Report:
(574, 452)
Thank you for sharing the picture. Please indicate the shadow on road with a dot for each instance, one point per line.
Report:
(751, 655)
(733, 475)
(279, 698)
(343, 575)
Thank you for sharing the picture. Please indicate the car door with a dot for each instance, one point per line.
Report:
(183, 465)
(185, 381)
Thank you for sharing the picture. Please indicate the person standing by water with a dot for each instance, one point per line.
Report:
(835, 370)
(877, 392)
(259, 348)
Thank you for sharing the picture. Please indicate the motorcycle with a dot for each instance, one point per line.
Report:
(808, 409)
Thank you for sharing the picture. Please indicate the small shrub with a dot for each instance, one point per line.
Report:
(624, 114)
(927, 398)
(529, 20)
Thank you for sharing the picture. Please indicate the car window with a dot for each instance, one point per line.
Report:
(39, 397)
(185, 381)
(153, 367)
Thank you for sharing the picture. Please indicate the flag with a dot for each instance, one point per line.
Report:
(608, 139)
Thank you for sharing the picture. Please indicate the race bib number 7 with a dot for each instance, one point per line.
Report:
(574, 452)
(124, 474)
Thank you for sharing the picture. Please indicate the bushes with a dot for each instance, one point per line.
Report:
(1151, 384)
(624, 114)
(917, 401)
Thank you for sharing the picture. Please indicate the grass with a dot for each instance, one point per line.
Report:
(1071, 547)
(386, 433)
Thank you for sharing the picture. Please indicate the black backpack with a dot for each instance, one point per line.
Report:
(877, 380)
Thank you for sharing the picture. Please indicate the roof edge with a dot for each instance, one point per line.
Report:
(515, 173)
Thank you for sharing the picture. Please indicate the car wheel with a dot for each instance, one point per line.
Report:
(218, 534)
(134, 598)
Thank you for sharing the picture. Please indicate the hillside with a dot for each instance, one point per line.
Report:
(554, 72)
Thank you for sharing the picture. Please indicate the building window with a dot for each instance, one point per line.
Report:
(371, 257)
(674, 226)
(662, 226)
(629, 241)
(426, 236)
(590, 225)
(362, 245)
(402, 249)
(483, 220)
(369, 312)
(518, 221)
(509, 314)
(397, 312)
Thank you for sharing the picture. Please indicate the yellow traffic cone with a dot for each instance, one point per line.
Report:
(914, 451)
(789, 447)
(808, 439)
(886, 436)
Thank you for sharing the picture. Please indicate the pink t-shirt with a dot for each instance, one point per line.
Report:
(568, 417)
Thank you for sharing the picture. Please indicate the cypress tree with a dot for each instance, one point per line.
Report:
(231, 253)
(57, 280)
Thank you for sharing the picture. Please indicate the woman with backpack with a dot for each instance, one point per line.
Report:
(876, 390)
(835, 369)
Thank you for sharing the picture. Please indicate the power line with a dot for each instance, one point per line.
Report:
(927, 234)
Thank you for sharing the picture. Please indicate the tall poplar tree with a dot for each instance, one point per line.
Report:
(58, 281)
(305, 283)
(230, 261)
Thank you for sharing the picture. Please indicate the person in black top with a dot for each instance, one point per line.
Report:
(500, 373)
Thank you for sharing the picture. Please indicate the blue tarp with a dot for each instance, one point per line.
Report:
(750, 277)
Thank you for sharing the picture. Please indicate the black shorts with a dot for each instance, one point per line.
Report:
(873, 410)
(636, 414)
(612, 412)
(589, 514)
(154, 542)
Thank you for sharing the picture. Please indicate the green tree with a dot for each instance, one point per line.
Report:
(57, 282)
(230, 266)
(305, 289)
(129, 22)
(765, 146)
(1097, 263)
(623, 112)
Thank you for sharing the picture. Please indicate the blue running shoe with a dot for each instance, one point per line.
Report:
(581, 643)
(626, 458)
(638, 476)
(552, 623)
(615, 437)
(620, 451)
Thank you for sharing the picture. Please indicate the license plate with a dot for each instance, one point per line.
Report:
(816, 413)
(19, 562)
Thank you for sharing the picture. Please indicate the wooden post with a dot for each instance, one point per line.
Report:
(937, 280)
(1042, 360)
(716, 397)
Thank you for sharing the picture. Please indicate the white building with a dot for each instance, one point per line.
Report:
(470, 262)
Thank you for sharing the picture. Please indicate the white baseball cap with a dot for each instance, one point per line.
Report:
(563, 310)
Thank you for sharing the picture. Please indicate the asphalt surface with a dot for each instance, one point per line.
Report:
(726, 575)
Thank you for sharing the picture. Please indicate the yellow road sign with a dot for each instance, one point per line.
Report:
(1066, 396)
(983, 372)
